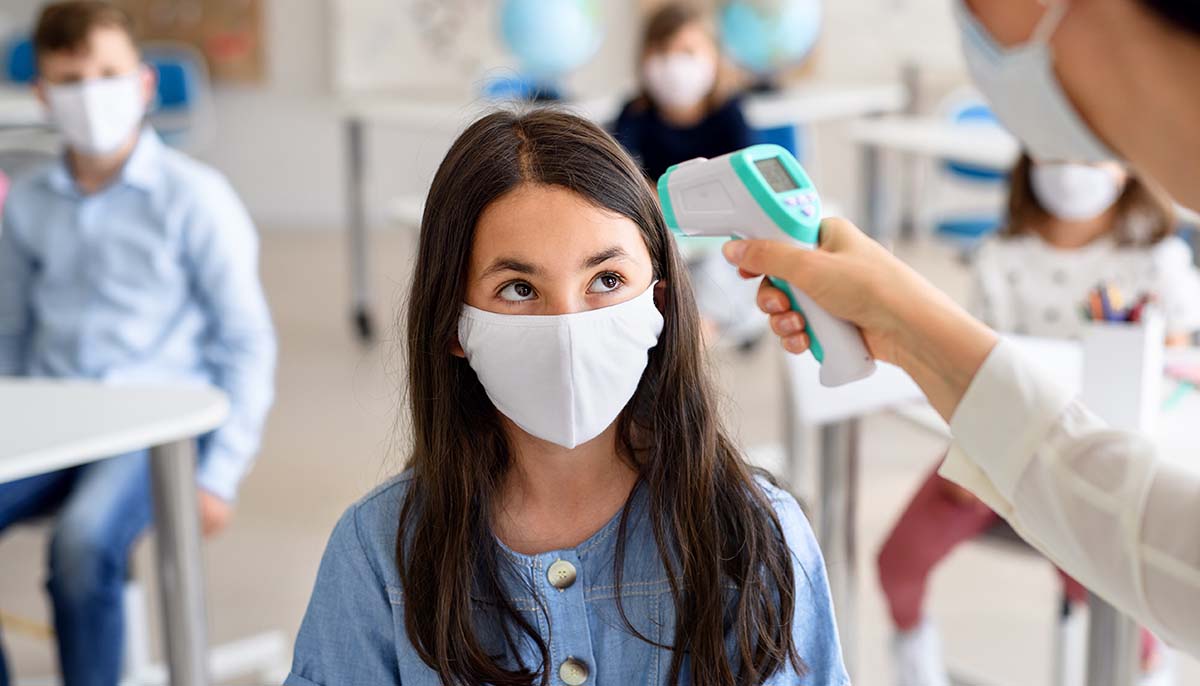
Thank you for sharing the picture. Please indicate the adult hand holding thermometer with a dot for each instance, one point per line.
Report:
(763, 192)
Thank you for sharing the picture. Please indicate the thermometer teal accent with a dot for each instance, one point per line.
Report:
(763, 192)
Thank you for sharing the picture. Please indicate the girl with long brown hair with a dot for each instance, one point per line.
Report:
(573, 512)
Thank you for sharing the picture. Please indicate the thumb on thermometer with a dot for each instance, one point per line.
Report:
(773, 258)
(786, 261)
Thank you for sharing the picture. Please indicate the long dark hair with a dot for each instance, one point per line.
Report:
(1182, 14)
(712, 524)
(1144, 216)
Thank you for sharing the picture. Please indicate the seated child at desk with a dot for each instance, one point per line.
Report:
(1070, 228)
(682, 113)
(129, 263)
(573, 511)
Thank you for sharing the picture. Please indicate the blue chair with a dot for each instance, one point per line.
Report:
(521, 88)
(183, 111)
(967, 229)
(18, 60)
(792, 138)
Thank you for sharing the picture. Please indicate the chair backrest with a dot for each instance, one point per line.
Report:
(183, 111)
(16, 161)
(18, 60)
(521, 89)
(792, 138)
(967, 108)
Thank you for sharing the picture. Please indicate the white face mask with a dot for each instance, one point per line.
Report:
(562, 378)
(98, 116)
(679, 79)
(1024, 91)
(1075, 192)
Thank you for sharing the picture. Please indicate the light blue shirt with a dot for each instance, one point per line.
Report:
(152, 279)
(353, 632)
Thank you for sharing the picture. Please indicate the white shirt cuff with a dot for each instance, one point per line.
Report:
(1005, 416)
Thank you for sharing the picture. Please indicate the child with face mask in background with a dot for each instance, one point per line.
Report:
(1070, 228)
(573, 511)
(126, 262)
(679, 115)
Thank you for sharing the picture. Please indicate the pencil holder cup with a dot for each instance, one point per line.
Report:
(1122, 371)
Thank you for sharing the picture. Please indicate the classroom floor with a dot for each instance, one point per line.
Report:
(333, 435)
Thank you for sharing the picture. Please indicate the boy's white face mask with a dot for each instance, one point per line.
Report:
(98, 116)
(563, 378)
(1075, 192)
(679, 79)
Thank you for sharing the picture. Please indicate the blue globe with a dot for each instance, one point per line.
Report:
(764, 36)
(550, 38)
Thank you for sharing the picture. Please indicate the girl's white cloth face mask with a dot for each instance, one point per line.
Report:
(98, 116)
(563, 378)
(679, 79)
(1074, 192)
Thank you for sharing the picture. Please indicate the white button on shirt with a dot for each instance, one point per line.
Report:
(1097, 502)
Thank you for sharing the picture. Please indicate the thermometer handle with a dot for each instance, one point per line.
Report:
(837, 344)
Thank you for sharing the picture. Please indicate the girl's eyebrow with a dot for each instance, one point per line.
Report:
(604, 256)
(510, 264)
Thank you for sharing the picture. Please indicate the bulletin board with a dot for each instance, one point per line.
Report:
(229, 33)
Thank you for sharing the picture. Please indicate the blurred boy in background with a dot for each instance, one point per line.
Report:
(126, 262)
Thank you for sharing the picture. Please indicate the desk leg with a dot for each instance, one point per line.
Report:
(180, 569)
(795, 471)
(870, 214)
(910, 76)
(357, 227)
(1113, 646)
(836, 530)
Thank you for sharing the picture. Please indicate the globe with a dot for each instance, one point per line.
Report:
(763, 36)
(550, 38)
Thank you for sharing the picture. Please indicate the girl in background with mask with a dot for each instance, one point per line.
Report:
(679, 113)
(1070, 227)
(573, 511)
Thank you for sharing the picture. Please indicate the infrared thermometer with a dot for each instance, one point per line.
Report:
(763, 192)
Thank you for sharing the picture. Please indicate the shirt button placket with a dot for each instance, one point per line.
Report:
(571, 649)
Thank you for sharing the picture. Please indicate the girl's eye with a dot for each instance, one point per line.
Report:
(605, 283)
(517, 291)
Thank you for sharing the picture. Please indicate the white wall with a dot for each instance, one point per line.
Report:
(281, 143)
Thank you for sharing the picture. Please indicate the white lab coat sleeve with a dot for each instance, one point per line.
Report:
(1096, 501)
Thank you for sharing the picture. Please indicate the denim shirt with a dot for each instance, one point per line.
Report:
(353, 631)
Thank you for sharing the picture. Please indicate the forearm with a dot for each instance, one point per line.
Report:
(1102, 504)
(247, 377)
(936, 342)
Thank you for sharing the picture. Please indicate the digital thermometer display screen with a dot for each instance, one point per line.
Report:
(775, 174)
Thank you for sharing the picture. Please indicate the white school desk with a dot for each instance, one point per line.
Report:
(52, 425)
(805, 104)
(836, 412)
(984, 145)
